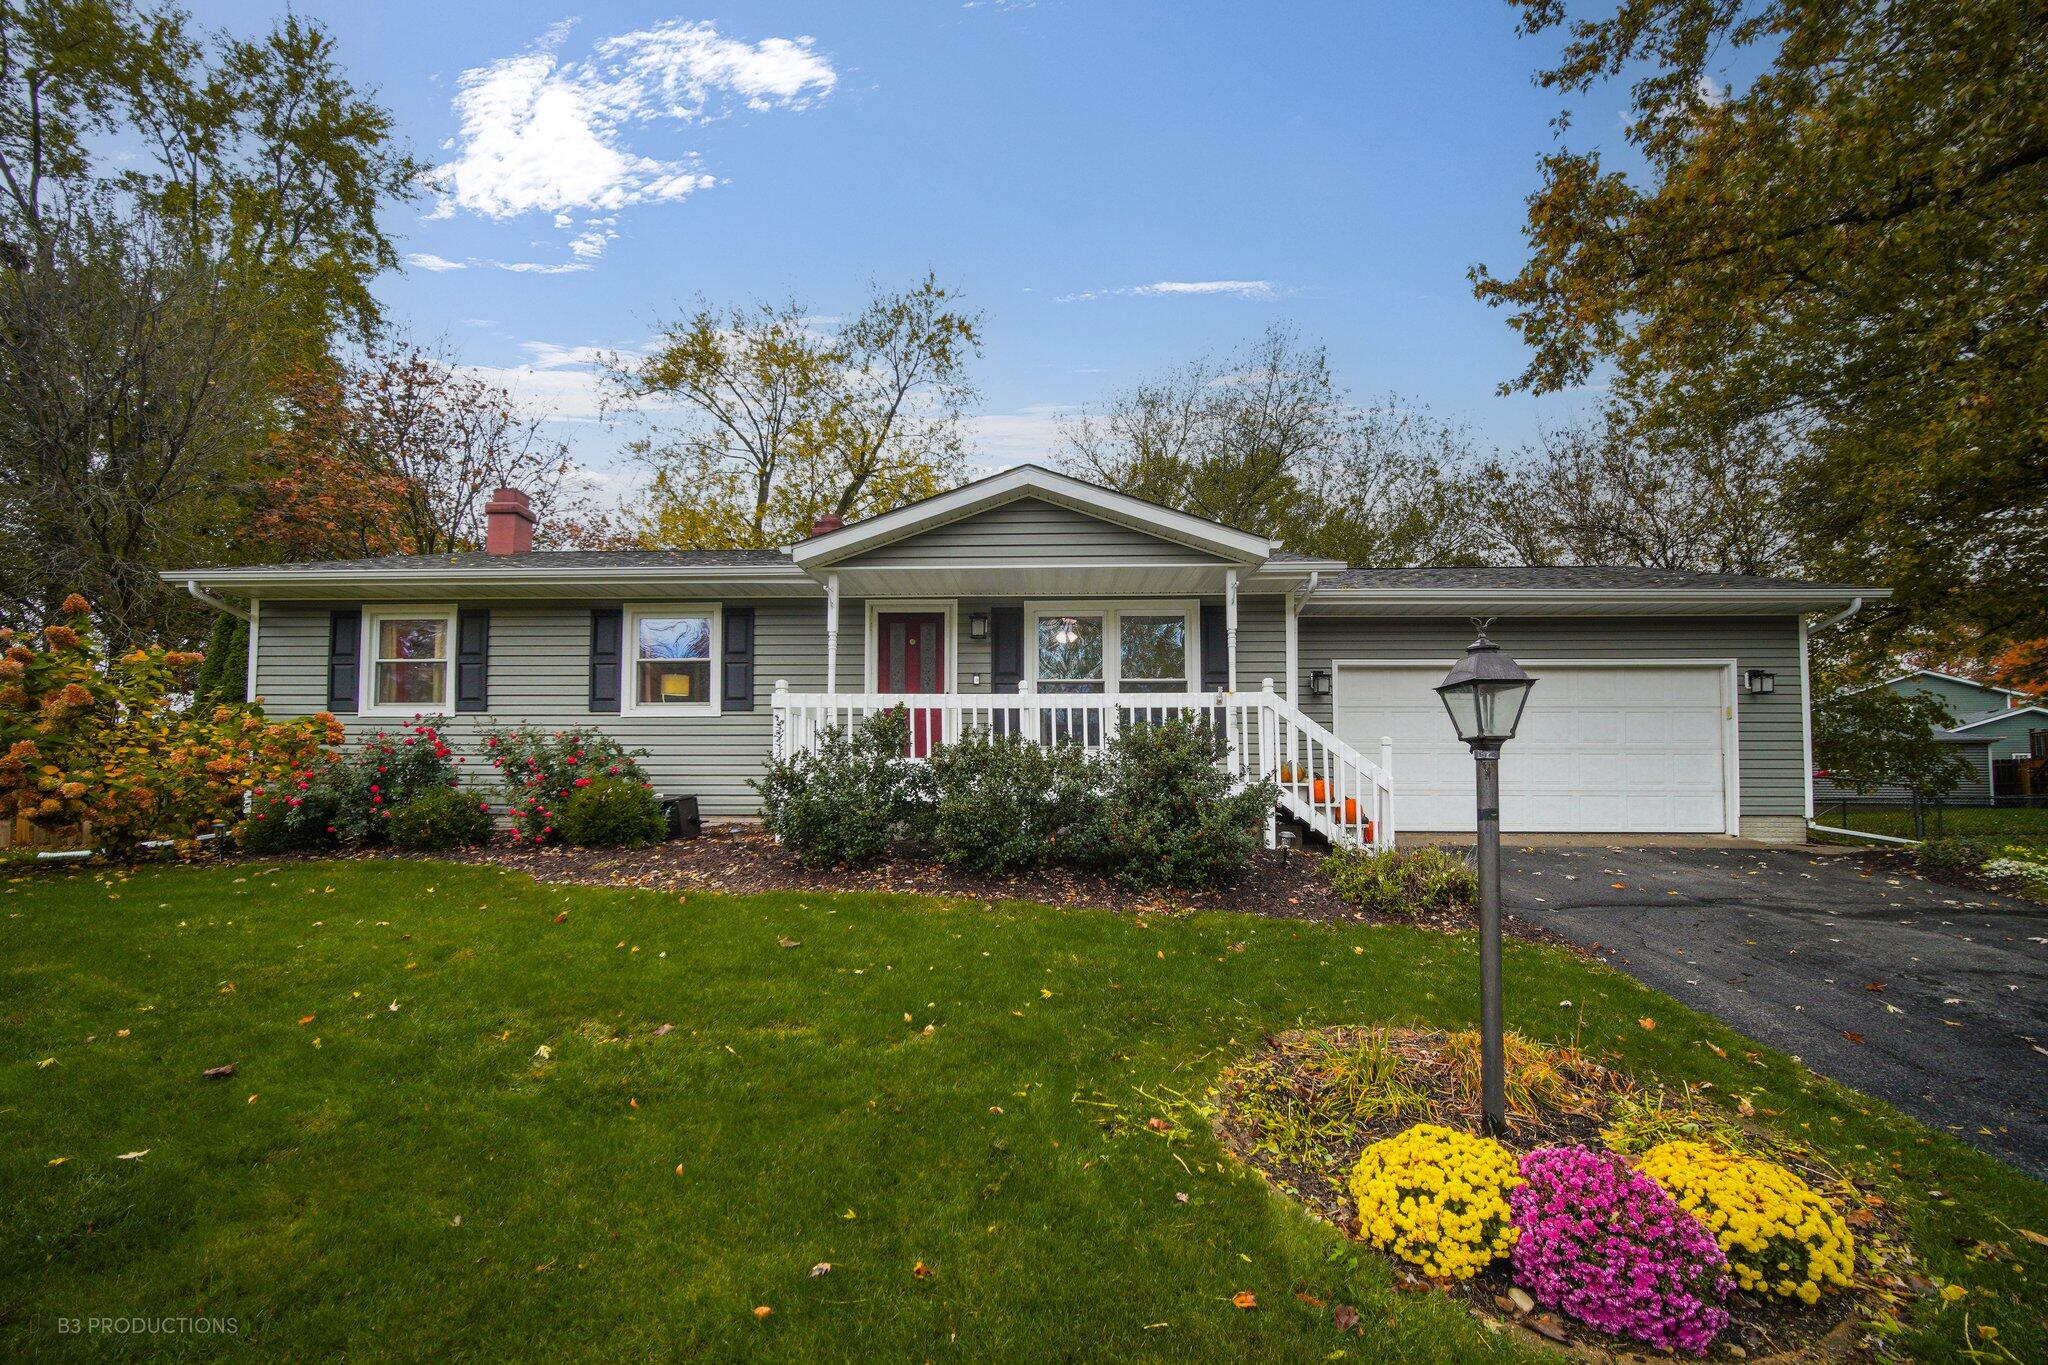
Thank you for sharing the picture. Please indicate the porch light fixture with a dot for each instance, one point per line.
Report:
(1484, 693)
(977, 626)
(1760, 682)
(1319, 682)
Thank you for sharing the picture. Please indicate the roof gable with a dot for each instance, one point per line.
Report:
(865, 538)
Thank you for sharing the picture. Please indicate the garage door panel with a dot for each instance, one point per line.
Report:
(1627, 749)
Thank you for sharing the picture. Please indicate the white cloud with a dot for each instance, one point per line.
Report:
(427, 260)
(1243, 289)
(540, 134)
(1029, 435)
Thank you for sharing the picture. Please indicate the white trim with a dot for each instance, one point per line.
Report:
(1806, 718)
(1731, 728)
(2006, 714)
(1111, 610)
(1031, 481)
(249, 692)
(1293, 611)
(367, 661)
(1328, 601)
(629, 659)
(871, 656)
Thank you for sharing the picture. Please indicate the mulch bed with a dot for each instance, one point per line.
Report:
(1758, 1328)
(742, 859)
(1901, 863)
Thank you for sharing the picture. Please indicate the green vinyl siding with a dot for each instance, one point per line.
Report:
(540, 675)
(1770, 728)
(1031, 531)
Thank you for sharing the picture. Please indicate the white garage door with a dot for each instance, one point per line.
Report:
(1602, 749)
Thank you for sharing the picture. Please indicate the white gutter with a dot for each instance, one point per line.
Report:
(217, 603)
(1855, 605)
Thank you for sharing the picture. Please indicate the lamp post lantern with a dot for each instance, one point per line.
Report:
(1484, 693)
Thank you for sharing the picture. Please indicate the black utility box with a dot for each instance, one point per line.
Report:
(681, 813)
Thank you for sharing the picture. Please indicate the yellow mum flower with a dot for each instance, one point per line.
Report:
(1779, 1234)
(1436, 1198)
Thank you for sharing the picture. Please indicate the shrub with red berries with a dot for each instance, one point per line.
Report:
(542, 769)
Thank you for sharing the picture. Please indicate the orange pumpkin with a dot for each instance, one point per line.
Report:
(1350, 810)
(1321, 791)
(1368, 831)
(1287, 773)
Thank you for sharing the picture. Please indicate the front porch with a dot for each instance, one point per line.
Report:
(1322, 781)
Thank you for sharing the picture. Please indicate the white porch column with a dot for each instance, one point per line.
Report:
(1230, 620)
(1293, 650)
(831, 633)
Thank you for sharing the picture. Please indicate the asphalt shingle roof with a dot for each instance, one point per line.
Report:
(1455, 577)
(542, 560)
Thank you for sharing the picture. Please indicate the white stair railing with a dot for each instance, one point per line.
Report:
(1323, 782)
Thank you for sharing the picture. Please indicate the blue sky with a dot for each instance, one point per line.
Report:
(1119, 186)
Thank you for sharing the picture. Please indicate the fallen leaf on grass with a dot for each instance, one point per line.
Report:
(665, 1030)
(59, 1160)
(921, 1271)
(821, 1268)
(2032, 1236)
(763, 1311)
(788, 942)
(46, 1062)
(561, 917)
(1309, 1299)
(219, 1073)
(305, 1021)
(1345, 1316)
(1647, 1023)
(1244, 1298)
(133, 1156)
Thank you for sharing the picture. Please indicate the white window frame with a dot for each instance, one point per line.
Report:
(1112, 612)
(373, 617)
(629, 660)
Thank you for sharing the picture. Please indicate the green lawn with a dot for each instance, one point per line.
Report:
(393, 1170)
(2015, 824)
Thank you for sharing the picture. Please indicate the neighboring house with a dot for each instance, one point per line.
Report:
(1033, 602)
(2002, 733)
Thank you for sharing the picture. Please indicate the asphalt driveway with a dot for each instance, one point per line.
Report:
(1931, 997)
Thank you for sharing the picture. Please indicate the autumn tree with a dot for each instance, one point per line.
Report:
(182, 219)
(1846, 244)
(786, 417)
(399, 452)
(1586, 493)
(1265, 439)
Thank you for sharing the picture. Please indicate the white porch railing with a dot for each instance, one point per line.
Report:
(1323, 782)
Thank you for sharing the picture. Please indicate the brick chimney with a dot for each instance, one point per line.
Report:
(827, 523)
(508, 523)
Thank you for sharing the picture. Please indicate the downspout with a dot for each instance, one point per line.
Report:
(1855, 605)
(217, 603)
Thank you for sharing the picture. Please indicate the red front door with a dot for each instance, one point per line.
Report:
(910, 656)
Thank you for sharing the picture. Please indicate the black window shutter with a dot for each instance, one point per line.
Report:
(472, 659)
(1005, 648)
(1215, 649)
(607, 626)
(736, 669)
(344, 660)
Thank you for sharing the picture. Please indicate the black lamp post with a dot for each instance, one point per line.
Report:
(1485, 692)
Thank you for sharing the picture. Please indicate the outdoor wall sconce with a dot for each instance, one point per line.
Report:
(1760, 682)
(1319, 682)
(977, 626)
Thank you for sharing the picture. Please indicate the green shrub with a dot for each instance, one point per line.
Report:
(438, 819)
(1956, 854)
(1000, 803)
(845, 804)
(541, 769)
(1402, 881)
(1165, 814)
(611, 812)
